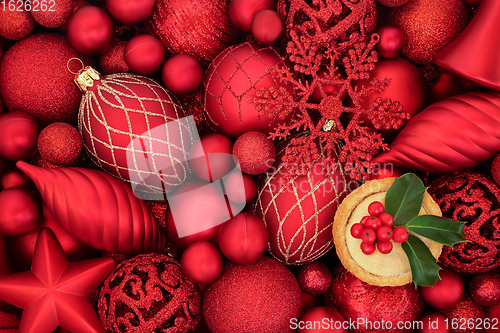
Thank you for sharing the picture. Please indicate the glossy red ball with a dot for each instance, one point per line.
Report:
(255, 153)
(384, 233)
(392, 41)
(485, 289)
(240, 189)
(242, 12)
(182, 74)
(434, 322)
(386, 219)
(243, 239)
(210, 158)
(267, 26)
(20, 211)
(18, 136)
(446, 292)
(322, 319)
(376, 208)
(400, 234)
(13, 177)
(90, 30)
(357, 230)
(144, 54)
(60, 144)
(373, 223)
(130, 12)
(314, 278)
(367, 248)
(202, 262)
(384, 247)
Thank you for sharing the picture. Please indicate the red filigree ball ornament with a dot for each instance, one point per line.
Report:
(235, 76)
(60, 144)
(446, 292)
(21, 211)
(434, 322)
(242, 12)
(392, 40)
(267, 26)
(18, 135)
(149, 293)
(240, 189)
(130, 12)
(464, 311)
(200, 28)
(262, 296)
(210, 157)
(202, 262)
(485, 289)
(182, 74)
(473, 198)
(113, 61)
(429, 26)
(314, 278)
(255, 153)
(15, 25)
(356, 299)
(144, 54)
(393, 3)
(55, 15)
(13, 177)
(331, 321)
(34, 78)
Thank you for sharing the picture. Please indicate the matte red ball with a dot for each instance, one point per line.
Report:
(267, 26)
(242, 12)
(331, 321)
(240, 188)
(20, 211)
(60, 144)
(182, 74)
(392, 40)
(15, 25)
(314, 278)
(56, 14)
(130, 12)
(202, 263)
(144, 54)
(18, 135)
(255, 152)
(463, 311)
(446, 292)
(434, 322)
(243, 239)
(210, 158)
(113, 60)
(13, 177)
(485, 289)
(90, 30)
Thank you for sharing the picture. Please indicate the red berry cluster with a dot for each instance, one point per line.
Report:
(377, 229)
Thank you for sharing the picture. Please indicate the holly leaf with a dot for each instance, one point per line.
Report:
(424, 267)
(404, 198)
(438, 229)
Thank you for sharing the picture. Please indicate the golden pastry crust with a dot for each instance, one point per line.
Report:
(378, 269)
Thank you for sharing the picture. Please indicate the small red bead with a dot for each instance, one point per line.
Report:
(368, 236)
(376, 208)
(400, 234)
(384, 247)
(384, 233)
(357, 230)
(364, 219)
(373, 223)
(386, 219)
(367, 248)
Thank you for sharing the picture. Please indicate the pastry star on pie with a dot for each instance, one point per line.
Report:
(392, 269)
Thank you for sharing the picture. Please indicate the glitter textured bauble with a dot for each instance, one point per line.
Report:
(429, 26)
(355, 299)
(473, 198)
(485, 289)
(393, 3)
(200, 28)
(97, 209)
(56, 17)
(113, 61)
(233, 77)
(15, 24)
(18, 136)
(148, 293)
(434, 322)
(331, 321)
(442, 138)
(463, 311)
(299, 214)
(255, 152)
(34, 78)
(262, 296)
(495, 169)
(314, 278)
(59, 144)
(131, 128)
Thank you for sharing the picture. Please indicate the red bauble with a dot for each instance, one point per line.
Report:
(298, 214)
(97, 209)
(446, 292)
(242, 12)
(392, 40)
(21, 248)
(314, 278)
(130, 12)
(385, 171)
(21, 211)
(18, 135)
(495, 169)
(331, 321)
(262, 296)
(131, 128)
(113, 60)
(210, 157)
(59, 144)
(15, 24)
(267, 26)
(13, 177)
(255, 153)
(485, 289)
(182, 74)
(144, 54)
(90, 30)
(393, 3)
(434, 322)
(202, 262)
(429, 26)
(466, 311)
(448, 85)
(243, 239)
(234, 76)
(493, 313)
(240, 189)
(356, 299)
(200, 28)
(34, 78)
(56, 17)
(148, 293)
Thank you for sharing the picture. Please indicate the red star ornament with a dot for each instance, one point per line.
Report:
(54, 293)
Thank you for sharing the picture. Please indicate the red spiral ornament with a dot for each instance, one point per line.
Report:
(97, 209)
(450, 135)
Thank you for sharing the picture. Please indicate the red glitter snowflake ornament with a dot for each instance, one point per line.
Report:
(354, 142)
